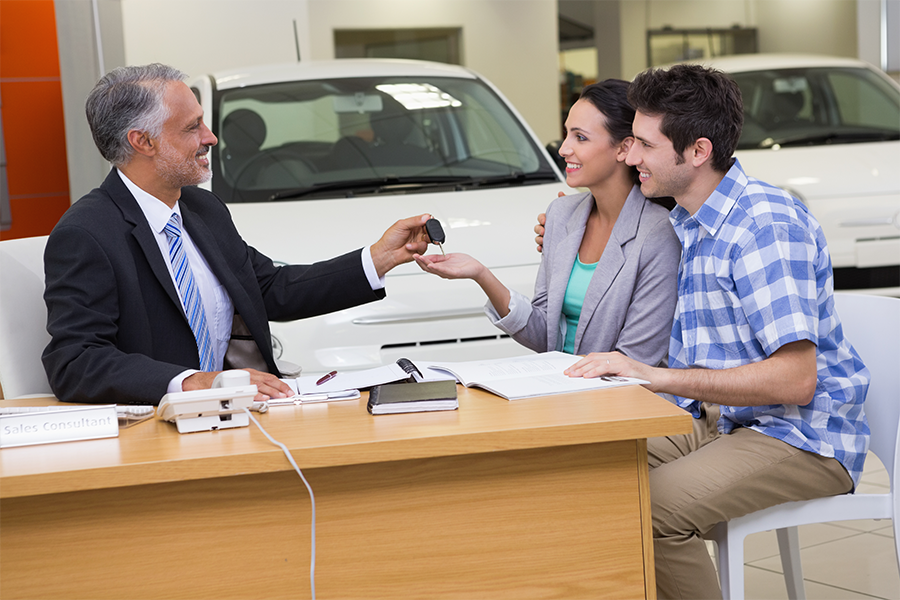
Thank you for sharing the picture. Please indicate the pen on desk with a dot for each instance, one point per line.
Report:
(327, 377)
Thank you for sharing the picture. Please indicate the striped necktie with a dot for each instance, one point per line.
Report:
(190, 294)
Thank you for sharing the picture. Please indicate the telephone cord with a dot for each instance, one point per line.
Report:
(312, 498)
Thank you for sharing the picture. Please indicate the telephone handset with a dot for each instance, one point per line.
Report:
(220, 407)
(232, 378)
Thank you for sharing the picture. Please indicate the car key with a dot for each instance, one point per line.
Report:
(435, 233)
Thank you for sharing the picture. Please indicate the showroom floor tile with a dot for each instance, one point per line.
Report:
(846, 560)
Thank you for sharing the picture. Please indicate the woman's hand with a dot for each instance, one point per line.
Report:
(451, 266)
(463, 266)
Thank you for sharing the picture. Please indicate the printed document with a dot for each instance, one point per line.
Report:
(348, 380)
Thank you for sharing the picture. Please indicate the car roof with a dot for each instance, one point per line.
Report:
(335, 69)
(739, 63)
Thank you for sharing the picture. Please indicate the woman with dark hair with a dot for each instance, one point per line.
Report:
(607, 279)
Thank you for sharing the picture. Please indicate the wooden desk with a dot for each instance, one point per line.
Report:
(543, 498)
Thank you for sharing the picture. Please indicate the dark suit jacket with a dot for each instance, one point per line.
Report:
(118, 331)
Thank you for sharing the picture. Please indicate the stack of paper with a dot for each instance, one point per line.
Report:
(345, 385)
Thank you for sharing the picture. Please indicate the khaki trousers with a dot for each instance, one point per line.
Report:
(703, 478)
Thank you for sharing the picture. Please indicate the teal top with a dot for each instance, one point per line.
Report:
(574, 299)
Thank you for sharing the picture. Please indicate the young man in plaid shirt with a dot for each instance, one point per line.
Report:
(757, 353)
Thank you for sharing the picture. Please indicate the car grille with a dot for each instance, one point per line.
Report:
(851, 278)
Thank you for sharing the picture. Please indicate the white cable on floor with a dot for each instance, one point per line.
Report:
(312, 556)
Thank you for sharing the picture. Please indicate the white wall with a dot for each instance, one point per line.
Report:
(807, 26)
(514, 43)
(639, 16)
(200, 36)
(698, 13)
(582, 61)
(79, 68)
(880, 47)
(868, 27)
(511, 42)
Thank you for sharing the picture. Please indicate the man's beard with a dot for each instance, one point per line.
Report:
(178, 172)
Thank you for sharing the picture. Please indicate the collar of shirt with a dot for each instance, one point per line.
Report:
(714, 211)
(155, 210)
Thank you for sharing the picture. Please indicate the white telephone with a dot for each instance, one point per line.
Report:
(220, 407)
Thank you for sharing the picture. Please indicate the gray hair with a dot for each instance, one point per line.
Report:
(128, 98)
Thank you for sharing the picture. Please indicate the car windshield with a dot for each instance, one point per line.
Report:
(342, 137)
(815, 106)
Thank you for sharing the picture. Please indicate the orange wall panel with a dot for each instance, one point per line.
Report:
(32, 113)
(28, 45)
(35, 137)
(33, 214)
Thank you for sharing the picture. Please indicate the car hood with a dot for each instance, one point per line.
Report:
(853, 190)
(831, 171)
(493, 225)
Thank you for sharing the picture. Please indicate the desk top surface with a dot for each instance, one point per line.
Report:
(335, 434)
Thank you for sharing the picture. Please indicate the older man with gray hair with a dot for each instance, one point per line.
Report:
(147, 275)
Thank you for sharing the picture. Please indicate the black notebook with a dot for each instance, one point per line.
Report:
(396, 398)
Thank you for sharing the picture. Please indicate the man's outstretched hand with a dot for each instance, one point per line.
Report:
(398, 245)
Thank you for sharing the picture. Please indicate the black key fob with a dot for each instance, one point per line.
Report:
(435, 231)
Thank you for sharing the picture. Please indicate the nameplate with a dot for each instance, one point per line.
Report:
(59, 425)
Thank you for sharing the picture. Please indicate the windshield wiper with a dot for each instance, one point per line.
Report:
(516, 177)
(369, 186)
(400, 184)
(831, 137)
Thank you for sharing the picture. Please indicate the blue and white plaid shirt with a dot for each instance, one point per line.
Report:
(755, 275)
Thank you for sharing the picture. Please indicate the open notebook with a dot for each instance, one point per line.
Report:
(521, 377)
(514, 378)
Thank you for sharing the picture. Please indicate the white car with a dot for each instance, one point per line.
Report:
(316, 159)
(828, 130)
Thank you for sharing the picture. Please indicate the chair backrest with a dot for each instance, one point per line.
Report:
(872, 325)
(23, 317)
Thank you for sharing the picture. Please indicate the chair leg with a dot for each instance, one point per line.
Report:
(896, 524)
(789, 547)
(730, 560)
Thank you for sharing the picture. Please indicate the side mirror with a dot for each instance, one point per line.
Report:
(553, 150)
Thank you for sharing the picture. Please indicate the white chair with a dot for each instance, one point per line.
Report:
(872, 325)
(23, 318)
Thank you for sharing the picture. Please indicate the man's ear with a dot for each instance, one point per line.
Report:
(142, 142)
(700, 152)
(623, 149)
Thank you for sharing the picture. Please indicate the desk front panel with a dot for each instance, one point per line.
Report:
(533, 523)
(336, 434)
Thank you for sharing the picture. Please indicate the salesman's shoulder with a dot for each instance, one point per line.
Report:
(96, 209)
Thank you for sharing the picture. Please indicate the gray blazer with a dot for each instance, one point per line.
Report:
(631, 298)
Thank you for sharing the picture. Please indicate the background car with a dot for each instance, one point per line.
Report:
(828, 130)
(316, 159)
